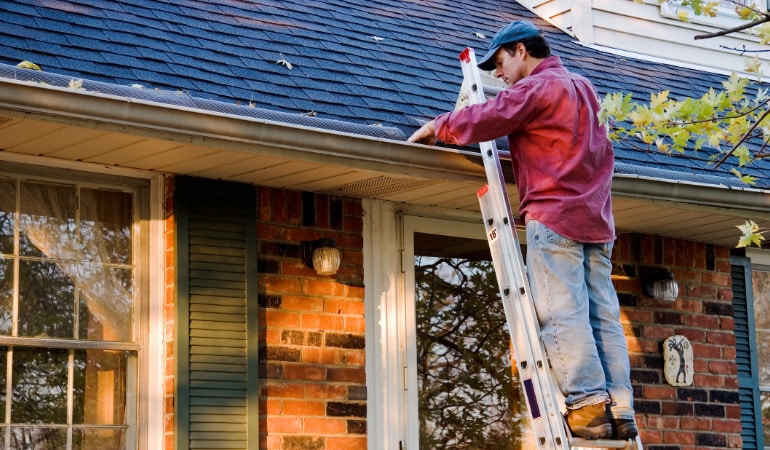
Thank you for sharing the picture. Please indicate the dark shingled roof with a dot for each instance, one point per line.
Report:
(356, 65)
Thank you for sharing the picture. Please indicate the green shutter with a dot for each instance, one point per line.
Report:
(217, 398)
(745, 348)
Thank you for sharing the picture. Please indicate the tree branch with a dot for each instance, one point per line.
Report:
(765, 18)
(743, 139)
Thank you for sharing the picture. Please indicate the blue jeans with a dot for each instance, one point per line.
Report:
(579, 316)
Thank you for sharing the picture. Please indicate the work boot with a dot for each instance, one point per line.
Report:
(590, 422)
(624, 429)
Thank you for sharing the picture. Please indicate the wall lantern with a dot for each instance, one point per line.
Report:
(322, 255)
(659, 283)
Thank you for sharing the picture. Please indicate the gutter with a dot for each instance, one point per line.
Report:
(238, 133)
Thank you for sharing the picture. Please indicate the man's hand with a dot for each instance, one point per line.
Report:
(425, 135)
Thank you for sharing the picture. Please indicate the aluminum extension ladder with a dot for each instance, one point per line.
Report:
(543, 400)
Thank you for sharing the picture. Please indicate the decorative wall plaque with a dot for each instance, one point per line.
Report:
(677, 354)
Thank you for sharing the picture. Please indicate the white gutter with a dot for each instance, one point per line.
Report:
(256, 136)
(235, 133)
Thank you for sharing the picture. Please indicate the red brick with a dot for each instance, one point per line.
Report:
(346, 443)
(316, 425)
(281, 319)
(282, 424)
(355, 324)
(721, 339)
(322, 287)
(326, 391)
(678, 437)
(301, 303)
(324, 322)
(304, 408)
(695, 423)
(347, 375)
(304, 372)
(726, 426)
(321, 355)
(659, 393)
(337, 306)
(278, 284)
(702, 321)
(283, 390)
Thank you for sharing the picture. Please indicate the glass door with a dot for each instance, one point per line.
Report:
(462, 393)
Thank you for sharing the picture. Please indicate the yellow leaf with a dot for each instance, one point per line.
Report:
(750, 234)
(28, 65)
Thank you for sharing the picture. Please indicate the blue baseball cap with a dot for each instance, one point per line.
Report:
(513, 32)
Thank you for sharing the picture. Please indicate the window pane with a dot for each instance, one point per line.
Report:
(105, 225)
(468, 395)
(47, 222)
(105, 303)
(99, 439)
(46, 300)
(39, 386)
(6, 296)
(38, 438)
(100, 387)
(7, 208)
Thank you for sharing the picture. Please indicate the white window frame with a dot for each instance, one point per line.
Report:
(762, 258)
(726, 17)
(150, 230)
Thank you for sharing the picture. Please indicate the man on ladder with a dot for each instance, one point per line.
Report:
(563, 166)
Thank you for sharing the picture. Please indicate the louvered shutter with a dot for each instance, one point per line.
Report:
(745, 348)
(217, 401)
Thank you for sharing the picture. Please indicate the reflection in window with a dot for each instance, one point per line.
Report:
(760, 279)
(68, 358)
(468, 396)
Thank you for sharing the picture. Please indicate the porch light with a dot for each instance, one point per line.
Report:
(659, 283)
(322, 255)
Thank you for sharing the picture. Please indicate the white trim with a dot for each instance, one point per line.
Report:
(75, 165)
(385, 417)
(156, 358)
(758, 256)
(671, 62)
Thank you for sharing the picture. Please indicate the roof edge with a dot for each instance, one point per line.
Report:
(260, 136)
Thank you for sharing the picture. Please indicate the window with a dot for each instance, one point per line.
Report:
(726, 12)
(69, 310)
(760, 281)
(761, 286)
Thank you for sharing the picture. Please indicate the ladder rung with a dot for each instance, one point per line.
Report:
(577, 443)
(492, 91)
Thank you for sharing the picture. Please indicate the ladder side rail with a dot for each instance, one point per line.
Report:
(514, 286)
(544, 416)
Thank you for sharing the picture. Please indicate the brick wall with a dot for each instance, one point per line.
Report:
(705, 415)
(312, 359)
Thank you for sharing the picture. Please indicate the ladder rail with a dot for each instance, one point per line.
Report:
(534, 371)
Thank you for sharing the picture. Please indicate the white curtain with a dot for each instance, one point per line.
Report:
(85, 249)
